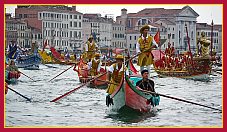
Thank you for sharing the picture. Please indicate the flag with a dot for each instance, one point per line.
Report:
(132, 68)
(45, 44)
(157, 37)
(157, 54)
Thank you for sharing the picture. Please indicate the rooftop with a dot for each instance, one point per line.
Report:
(56, 8)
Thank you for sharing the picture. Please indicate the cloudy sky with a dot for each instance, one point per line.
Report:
(206, 12)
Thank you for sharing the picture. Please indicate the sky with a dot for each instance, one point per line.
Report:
(207, 12)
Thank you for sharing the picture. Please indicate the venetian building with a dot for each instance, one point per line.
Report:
(174, 21)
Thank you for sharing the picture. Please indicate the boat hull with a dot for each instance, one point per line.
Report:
(26, 62)
(12, 77)
(97, 83)
(127, 95)
(184, 74)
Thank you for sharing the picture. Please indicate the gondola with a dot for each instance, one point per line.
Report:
(127, 95)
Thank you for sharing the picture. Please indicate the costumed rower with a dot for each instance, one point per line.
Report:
(90, 48)
(13, 70)
(115, 73)
(12, 67)
(145, 44)
(34, 48)
(94, 65)
(12, 50)
(204, 45)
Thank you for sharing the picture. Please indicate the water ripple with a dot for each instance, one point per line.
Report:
(86, 106)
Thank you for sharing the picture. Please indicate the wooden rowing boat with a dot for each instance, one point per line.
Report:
(84, 76)
(12, 76)
(127, 95)
(29, 62)
(198, 69)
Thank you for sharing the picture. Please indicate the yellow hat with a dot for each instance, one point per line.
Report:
(97, 55)
(119, 57)
(90, 37)
(144, 27)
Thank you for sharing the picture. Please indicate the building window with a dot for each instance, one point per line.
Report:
(79, 34)
(75, 24)
(130, 38)
(173, 36)
(129, 23)
(40, 15)
(75, 16)
(20, 15)
(71, 23)
(25, 15)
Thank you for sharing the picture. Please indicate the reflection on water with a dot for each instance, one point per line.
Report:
(127, 115)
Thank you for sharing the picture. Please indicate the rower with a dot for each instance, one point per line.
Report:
(145, 83)
(12, 67)
(148, 85)
(12, 49)
(144, 46)
(94, 65)
(115, 73)
(90, 48)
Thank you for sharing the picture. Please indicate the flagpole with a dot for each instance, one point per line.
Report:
(211, 43)
(159, 42)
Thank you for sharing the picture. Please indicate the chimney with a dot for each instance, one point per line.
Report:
(74, 8)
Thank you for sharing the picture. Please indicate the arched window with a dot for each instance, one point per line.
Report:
(143, 21)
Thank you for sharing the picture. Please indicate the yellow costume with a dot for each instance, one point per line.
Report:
(145, 58)
(116, 75)
(204, 45)
(91, 50)
(94, 66)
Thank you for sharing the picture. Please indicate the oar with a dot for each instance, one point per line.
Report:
(107, 82)
(19, 94)
(217, 72)
(61, 73)
(27, 76)
(190, 102)
(68, 93)
(56, 99)
(138, 54)
(49, 66)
